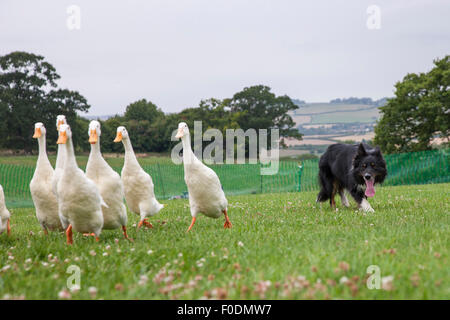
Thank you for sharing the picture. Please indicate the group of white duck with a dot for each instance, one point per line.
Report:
(66, 198)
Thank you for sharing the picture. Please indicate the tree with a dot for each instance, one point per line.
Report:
(146, 124)
(29, 94)
(214, 114)
(419, 111)
(258, 108)
(353, 100)
(109, 130)
(66, 102)
(148, 136)
(143, 110)
(299, 102)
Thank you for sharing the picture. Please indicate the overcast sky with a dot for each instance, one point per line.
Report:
(176, 53)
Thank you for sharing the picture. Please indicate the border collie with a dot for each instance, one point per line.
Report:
(350, 167)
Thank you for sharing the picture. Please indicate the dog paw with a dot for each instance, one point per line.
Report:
(365, 206)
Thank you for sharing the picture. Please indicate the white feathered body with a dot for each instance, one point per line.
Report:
(79, 199)
(205, 191)
(43, 197)
(55, 179)
(139, 190)
(111, 190)
(4, 213)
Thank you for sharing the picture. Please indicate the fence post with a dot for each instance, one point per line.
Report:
(260, 182)
(300, 169)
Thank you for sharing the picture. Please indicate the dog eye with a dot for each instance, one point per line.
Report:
(372, 164)
(364, 165)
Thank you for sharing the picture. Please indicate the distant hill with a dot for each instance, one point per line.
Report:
(324, 123)
(103, 118)
(298, 102)
(366, 101)
(325, 113)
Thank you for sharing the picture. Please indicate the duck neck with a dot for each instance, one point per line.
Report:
(95, 148)
(42, 149)
(188, 155)
(130, 157)
(70, 161)
(61, 157)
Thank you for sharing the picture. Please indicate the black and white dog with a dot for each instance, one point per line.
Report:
(350, 167)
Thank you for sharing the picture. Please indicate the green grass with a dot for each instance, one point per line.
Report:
(320, 107)
(364, 116)
(282, 236)
(324, 113)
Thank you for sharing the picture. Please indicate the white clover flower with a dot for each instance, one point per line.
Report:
(343, 280)
(92, 292)
(64, 294)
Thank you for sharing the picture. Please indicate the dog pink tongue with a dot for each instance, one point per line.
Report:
(370, 190)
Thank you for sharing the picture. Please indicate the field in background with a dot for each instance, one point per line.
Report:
(326, 113)
(281, 246)
(326, 123)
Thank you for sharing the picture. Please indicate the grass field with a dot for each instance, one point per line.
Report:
(321, 107)
(363, 116)
(326, 113)
(281, 246)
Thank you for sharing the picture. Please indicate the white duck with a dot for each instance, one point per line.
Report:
(138, 185)
(60, 157)
(205, 191)
(108, 182)
(4, 214)
(79, 199)
(41, 186)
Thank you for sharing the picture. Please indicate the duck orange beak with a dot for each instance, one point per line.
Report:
(93, 137)
(179, 133)
(37, 133)
(118, 137)
(62, 139)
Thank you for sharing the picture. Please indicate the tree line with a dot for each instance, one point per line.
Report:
(365, 101)
(29, 93)
(418, 112)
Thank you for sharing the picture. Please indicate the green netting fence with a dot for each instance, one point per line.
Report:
(409, 168)
(403, 169)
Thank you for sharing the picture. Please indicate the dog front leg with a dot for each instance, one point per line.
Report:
(344, 199)
(361, 200)
(365, 205)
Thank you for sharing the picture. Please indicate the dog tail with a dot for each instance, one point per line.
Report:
(326, 183)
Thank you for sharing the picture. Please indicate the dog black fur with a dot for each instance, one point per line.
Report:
(345, 166)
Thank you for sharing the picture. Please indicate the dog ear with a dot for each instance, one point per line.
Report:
(361, 150)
